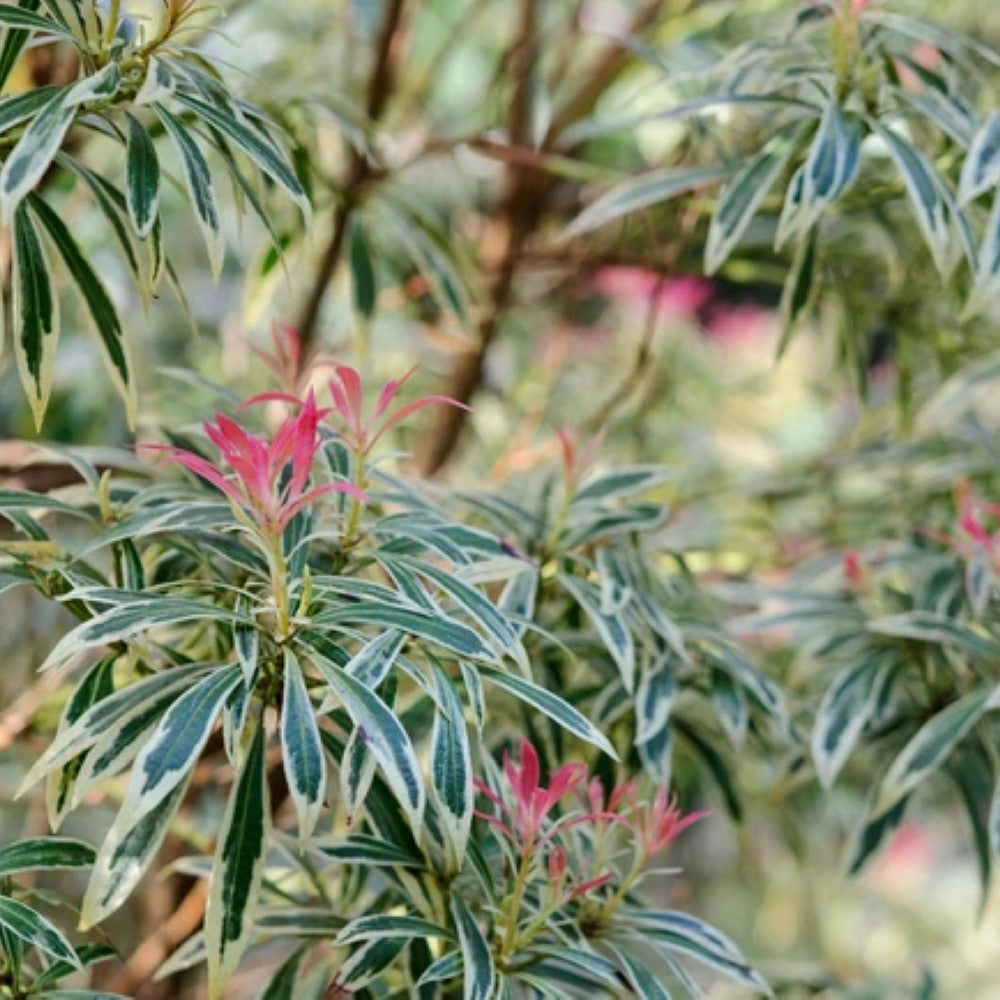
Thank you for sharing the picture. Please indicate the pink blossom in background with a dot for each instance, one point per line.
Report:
(738, 324)
(675, 298)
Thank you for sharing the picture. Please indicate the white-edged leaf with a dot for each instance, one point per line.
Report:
(263, 153)
(34, 313)
(642, 979)
(142, 168)
(741, 198)
(302, 751)
(44, 854)
(357, 771)
(451, 767)
(640, 192)
(613, 629)
(33, 929)
(198, 179)
(552, 705)
(480, 974)
(384, 736)
(832, 163)
(386, 925)
(928, 749)
(655, 699)
(158, 84)
(123, 858)
(928, 206)
(237, 868)
(174, 748)
(28, 161)
(981, 169)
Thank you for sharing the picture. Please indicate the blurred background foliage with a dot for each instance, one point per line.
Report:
(437, 141)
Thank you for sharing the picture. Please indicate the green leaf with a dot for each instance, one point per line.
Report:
(21, 17)
(361, 849)
(198, 179)
(34, 314)
(689, 935)
(384, 736)
(302, 751)
(619, 483)
(386, 926)
(364, 964)
(477, 961)
(797, 290)
(124, 857)
(30, 158)
(143, 178)
(443, 631)
(843, 713)
(33, 929)
(741, 198)
(642, 978)
(357, 770)
(981, 169)
(100, 309)
(109, 710)
(552, 705)
(939, 629)
(44, 853)
(362, 270)
(246, 642)
(832, 163)
(14, 40)
(237, 869)
(928, 206)
(612, 628)
(928, 749)
(174, 748)
(286, 979)
(641, 192)
(451, 768)
(655, 699)
(263, 153)
(138, 613)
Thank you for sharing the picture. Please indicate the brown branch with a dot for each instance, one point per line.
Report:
(358, 173)
(520, 209)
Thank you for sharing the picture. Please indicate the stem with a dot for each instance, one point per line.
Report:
(514, 907)
(279, 589)
(111, 25)
(357, 506)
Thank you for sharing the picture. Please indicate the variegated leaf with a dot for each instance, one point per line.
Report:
(451, 768)
(302, 751)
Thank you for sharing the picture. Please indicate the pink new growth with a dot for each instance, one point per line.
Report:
(347, 396)
(256, 466)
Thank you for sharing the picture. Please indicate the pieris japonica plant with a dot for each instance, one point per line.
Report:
(448, 737)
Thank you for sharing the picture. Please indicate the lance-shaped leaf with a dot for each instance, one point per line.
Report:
(655, 699)
(364, 964)
(140, 613)
(302, 751)
(552, 705)
(928, 206)
(362, 270)
(451, 767)
(477, 960)
(642, 979)
(45, 853)
(682, 932)
(96, 685)
(25, 19)
(37, 147)
(33, 929)
(175, 746)
(843, 713)
(517, 600)
(981, 169)
(123, 858)
(928, 749)
(142, 171)
(246, 642)
(237, 869)
(100, 309)
(34, 314)
(832, 163)
(641, 192)
(14, 40)
(357, 770)
(612, 629)
(741, 199)
(108, 711)
(198, 179)
(387, 926)
(371, 664)
(384, 736)
(264, 154)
